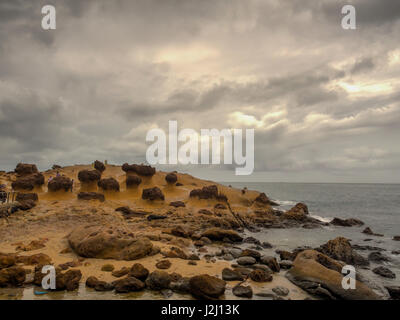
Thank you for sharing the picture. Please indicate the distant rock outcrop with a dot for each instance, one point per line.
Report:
(109, 184)
(60, 183)
(88, 176)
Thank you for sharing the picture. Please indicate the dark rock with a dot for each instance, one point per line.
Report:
(286, 264)
(128, 213)
(155, 217)
(396, 238)
(251, 253)
(107, 267)
(252, 240)
(158, 280)
(271, 263)
(394, 292)
(89, 176)
(180, 231)
(243, 291)
(128, 284)
(231, 275)
(181, 286)
(217, 234)
(23, 169)
(121, 272)
(91, 196)
(132, 181)
(163, 264)
(378, 257)
(139, 271)
(108, 184)
(368, 231)
(281, 291)
(245, 261)
(99, 166)
(259, 275)
(206, 212)
(266, 245)
(263, 199)
(220, 206)
(171, 178)
(12, 277)
(142, 170)
(152, 194)
(177, 204)
(21, 197)
(346, 222)
(384, 272)
(60, 183)
(28, 182)
(206, 287)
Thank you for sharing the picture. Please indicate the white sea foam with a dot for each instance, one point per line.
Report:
(323, 219)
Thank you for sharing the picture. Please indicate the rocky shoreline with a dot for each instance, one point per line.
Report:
(131, 230)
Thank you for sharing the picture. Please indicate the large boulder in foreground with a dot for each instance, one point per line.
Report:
(60, 183)
(340, 249)
(108, 242)
(88, 176)
(23, 169)
(218, 234)
(318, 274)
(152, 194)
(109, 184)
(206, 287)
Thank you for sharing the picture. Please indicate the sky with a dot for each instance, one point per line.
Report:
(324, 101)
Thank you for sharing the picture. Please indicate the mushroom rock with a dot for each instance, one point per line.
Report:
(25, 169)
(21, 197)
(89, 176)
(133, 181)
(60, 183)
(142, 170)
(171, 178)
(99, 166)
(108, 184)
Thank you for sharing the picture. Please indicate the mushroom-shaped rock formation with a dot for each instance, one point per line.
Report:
(133, 181)
(88, 176)
(99, 166)
(91, 196)
(171, 178)
(21, 197)
(108, 242)
(60, 183)
(208, 192)
(141, 170)
(153, 194)
(108, 184)
(23, 169)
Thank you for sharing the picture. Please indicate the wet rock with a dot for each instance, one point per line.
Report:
(121, 272)
(396, 238)
(243, 291)
(384, 272)
(394, 292)
(266, 245)
(340, 249)
(91, 281)
(128, 284)
(107, 267)
(235, 252)
(171, 178)
(227, 257)
(60, 183)
(325, 279)
(346, 222)
(251, 240)
(259, 275)
(70, 264)
(267, 294)
(21, 197)
(68, 280)
(206, 287)
(89, 176)
(139, 271)
(231, 275)
(91, 196)
(112, 242)
(152, 194)
(12, 277)
(281, 291)
(378, 257)
(271, 263)
(286, 264)
(261, 267)
(163, 264)
(245, 261)
(217, 234)
(99, 166)
(368, 231)
(132, 181)
(158, 280)
(177, 204)
(108, 184)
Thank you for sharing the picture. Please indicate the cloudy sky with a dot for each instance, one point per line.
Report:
(324, 102)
